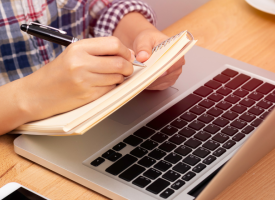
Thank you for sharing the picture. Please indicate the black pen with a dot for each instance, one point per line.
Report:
(55, 35)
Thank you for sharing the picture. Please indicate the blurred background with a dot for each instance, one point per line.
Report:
(170, 11)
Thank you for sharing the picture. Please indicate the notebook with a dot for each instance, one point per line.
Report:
(78, 121)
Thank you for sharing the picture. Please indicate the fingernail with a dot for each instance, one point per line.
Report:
(164, 74)
(132, 55)
(143, 55)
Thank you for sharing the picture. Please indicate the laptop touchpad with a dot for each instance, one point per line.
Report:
(141, 104)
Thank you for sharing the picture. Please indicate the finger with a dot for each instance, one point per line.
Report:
(98, 80)
(103, 46)
(97, 92)
(108, 65)
(143, 47)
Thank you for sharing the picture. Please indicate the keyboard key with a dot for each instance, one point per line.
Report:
(132, 172)
(215, 97)
(167, 193)
(199, 168)
(157, 186)
(247, 117)
(197, 110)
(183, 150)
(238, 123)
(256, 122)
(163, 165)
(264, 104)
(230, 115)
(188, 116)
(202, 135)
(193, 143)
(221, 122)
(149, 144)
(230, 72)
(178, 184)
(171, 176)
(256, 96)
(224, 91)
(229, 130)
(265, 88)
(141, 181)
(238, 137)
(191, 160)
(232, 99)
(157, 154)
(144, 132)
(108, 153)
(205, 118)
(203, 91)
(152, 173)
(247, 102)
(181, 168)
(173, 112)
(238, 108)
(219, 152)
(211, 145)
(224, 105)
(179, 123)
(252, 84)
(237, 81)
(177, 139)
(139, 152)
(241, 92)
(221, 138)
(213, 84)
(123, 163)
(167, 146)
(188, 176)
(206, 103)
(146, 161)
(132, 140)
(119, 146)
(214, 112)
(247, 129)
(256, 110)
(209, 160)
(212, 129)
(271, 97)
(173, 158)
(221, 78)
(229, 144)
(201, 152)
(159, 137)
(97, 161)
(114, 157)
(187, 132)
(263, 116)
(197, 125)
(169, 130)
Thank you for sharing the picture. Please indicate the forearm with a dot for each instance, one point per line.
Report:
(13, 113)
(130, 26)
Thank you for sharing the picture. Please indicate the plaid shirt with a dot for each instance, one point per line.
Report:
(22, 54)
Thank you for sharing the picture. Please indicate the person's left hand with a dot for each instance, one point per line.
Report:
(143, 45)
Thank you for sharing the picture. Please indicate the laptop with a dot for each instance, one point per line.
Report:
(179, 143)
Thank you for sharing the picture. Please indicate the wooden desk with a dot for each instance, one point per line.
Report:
(229, 27)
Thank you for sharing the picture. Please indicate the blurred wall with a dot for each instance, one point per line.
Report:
(170, 11)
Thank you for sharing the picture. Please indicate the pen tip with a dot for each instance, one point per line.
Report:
(139, 63)
(23, 27)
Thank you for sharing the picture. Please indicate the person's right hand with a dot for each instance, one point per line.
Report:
(85, 71)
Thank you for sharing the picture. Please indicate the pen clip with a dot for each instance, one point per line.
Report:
(49, 27)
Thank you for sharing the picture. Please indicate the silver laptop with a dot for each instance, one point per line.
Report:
(167, 144)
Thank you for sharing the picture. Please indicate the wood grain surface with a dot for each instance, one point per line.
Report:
(229, 27)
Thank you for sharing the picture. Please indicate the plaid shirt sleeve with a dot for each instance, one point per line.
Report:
(115, 11)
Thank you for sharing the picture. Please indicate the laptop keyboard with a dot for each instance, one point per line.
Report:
(182, 141)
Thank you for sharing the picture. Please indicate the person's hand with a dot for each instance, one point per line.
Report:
(143, 45)
(85, 71)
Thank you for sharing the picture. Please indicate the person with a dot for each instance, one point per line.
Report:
(40, 79)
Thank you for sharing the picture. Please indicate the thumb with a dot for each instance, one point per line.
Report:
(143, 49)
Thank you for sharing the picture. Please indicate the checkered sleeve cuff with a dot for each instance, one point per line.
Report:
(109, 19)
